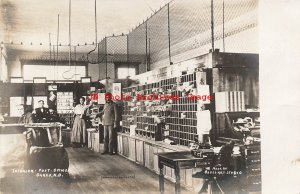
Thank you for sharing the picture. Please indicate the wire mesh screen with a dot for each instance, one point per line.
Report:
(186, 29)
(233, 18)
(137, 44)
(157, 34)
(190, 24)
(116, 48)
(102, 59)
(102, 51)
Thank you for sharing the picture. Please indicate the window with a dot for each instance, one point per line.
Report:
(123, 72)
(61, 72)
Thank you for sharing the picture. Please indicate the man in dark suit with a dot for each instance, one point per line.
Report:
(110, 121)
(42, 114)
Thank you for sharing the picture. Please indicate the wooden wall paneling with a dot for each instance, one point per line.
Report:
(241, 81)
(93, 141)
(146, 155)
(182, 176)
(231, 78)
(132, 149)
(155, 158)
(222, 81)
(189, 178)
(140, 152)
(89, 139)
(247, 84)
(125, 146)
(96, 142)
(215, 80)
(151, 157)
(120, 144)
(256, 89)
(237, 82)
(169, 172)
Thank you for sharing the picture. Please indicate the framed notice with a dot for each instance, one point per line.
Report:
(116, 89)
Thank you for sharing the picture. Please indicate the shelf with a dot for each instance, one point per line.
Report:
(186, 126)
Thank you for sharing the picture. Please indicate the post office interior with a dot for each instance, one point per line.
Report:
(166, 51)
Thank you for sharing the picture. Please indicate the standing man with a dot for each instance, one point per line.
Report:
(42, 114)
(110, 122)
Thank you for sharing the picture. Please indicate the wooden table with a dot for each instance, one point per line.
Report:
(48, 127)
(177, 161)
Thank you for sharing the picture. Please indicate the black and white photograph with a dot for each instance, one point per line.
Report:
(143, 96)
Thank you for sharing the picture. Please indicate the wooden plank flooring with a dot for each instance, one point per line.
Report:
(88, 173)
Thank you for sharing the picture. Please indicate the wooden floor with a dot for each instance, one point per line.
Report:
(89, 173)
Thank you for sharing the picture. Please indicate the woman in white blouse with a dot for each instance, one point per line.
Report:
(79, 133)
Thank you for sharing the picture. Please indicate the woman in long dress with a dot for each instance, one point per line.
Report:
(79, 133)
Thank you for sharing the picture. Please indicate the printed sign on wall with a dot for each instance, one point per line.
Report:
(116, 91)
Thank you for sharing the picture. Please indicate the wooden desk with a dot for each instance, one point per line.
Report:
(177, 161)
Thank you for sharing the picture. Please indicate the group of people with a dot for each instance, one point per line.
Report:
(110, 120)
(38, 115)
(109, 117)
